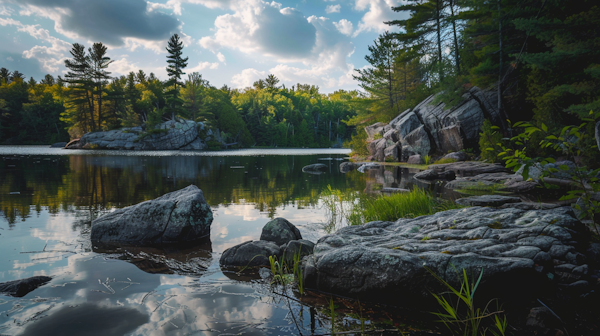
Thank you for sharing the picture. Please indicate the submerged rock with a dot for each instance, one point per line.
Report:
(280, 231)
(22, 287)
(316, 168)
(58, 145)
(383, 261)
(349, 166)
(181, 216)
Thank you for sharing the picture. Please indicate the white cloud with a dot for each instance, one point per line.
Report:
(333, 9)
(4, 11)
(203, 65)
(221, 57)
(247, 77)
(344, 26)
(10, 59)
(378, 11)
(123, 67)
(50, 57)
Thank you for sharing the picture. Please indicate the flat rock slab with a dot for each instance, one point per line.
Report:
(383, 261)
(469, 168)
(22, 287)
(487, 200)
(250, 254)
(502, 181)
(431, 174)
(181, 216)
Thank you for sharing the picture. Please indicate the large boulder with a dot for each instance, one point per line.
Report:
(22, 287)
(393, 153)
(297, 249)
(250, 254)
(389, 261)
(181, 216)
(280, 231)
(470, 168)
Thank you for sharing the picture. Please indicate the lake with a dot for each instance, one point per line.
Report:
(48, 198)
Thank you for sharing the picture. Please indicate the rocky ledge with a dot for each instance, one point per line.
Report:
(432, 128)
(22, 287)
(522, 252)
(181, 216)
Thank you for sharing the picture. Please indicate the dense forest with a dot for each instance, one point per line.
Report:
(88, 99)
(542, 56)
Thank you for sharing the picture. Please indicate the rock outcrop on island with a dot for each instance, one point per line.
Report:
(432, 128)
(520, 251)
(170, 135)
(22, 287)
(182, 216)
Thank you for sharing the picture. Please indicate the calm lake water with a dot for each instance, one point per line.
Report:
(48, 198)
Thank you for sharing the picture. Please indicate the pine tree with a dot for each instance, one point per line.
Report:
(81, 87)
(175, 67)
(99, 62)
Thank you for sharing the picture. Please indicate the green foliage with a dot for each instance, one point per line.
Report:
(460, 313)
(572, 141)
(445, 160)
(355, 208)
(286, 274)
(490, 142)
(427, 160)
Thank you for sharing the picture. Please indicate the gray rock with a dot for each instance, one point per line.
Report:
(407, 152)
(393, 153)
(392, 135)
(487, 200)
(280, 231)
(458, 156)
(431, 174)
(250, 254)
(415, 159)
(593, 253)
(58, 145)
(197, 144)
(419, 141)
(383, 260)
(450, 139)
(177, 217)
(22, 287)
(367, 166)
(297, 248)
(173, 135)
(405, 123)
(348, 166)
(377, 128)
(314, 168)
(470, 168)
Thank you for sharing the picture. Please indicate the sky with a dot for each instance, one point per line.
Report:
(231, 42)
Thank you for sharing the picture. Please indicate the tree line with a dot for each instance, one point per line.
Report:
(541, 56)
(89, 99)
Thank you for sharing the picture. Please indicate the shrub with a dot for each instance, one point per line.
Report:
(490, 142)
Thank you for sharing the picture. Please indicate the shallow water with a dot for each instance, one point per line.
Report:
(48, 198)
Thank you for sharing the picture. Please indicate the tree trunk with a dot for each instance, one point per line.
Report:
(439, 37)
(456, 56)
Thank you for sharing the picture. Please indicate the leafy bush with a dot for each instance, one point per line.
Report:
(490, 142)
(572, 141)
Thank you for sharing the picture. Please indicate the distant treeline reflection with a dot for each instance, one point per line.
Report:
(90, 185)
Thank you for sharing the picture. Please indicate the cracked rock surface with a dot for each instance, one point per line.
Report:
(177, 217)
(517, 249)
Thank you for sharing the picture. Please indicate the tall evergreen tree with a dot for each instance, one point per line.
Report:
(176, 64)
(81, 84)
(99, 62)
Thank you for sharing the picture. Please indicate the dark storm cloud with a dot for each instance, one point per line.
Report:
(110, 21)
